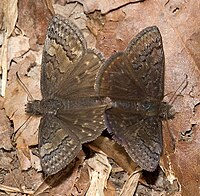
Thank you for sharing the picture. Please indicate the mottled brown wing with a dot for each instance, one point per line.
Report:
(80, 81)
(141, 136)
(85, 122)
(58, 145)
(116, 79)
(64, 47)
(145, 52)
(136, 73)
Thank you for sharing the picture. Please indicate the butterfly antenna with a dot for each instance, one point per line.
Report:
(171, 101)
(13, 138)
(174, 96)
(24, 87)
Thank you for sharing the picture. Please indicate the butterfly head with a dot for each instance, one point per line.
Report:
(34, 107)
(166, 111)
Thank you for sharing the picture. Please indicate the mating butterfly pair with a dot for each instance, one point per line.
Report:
(75, 80)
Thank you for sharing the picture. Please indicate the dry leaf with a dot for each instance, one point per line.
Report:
(99, 171)
(104, 6)
(131, 184)
(9, 14)
(33, 20)
(5, 132)
(116, 152)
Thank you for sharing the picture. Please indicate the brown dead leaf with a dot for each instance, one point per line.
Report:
(1, 102)
(130, 186)
(8, 16)
(33, 20)
(17, 46)
(110, 189)
(99, 171)
(23, 154)
(5, 132)
(10, 13)
(104, 6)
(5, 161)
(116, 152)
(82, 181)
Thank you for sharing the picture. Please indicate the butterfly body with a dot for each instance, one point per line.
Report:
(58, 106)
(146, 107)
(134, 81)
(43, 107)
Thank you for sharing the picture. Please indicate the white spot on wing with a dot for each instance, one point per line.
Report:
(78, 79)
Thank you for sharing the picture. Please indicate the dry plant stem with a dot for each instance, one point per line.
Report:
(9, 189)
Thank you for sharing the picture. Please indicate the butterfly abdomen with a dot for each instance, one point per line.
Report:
(144, 108)
(44, 106)
(77, 103)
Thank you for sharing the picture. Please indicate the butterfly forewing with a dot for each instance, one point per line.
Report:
(116, 79)
(64, 47)
(146, 55)
(58, 146)
(80, 81)
(134, 80)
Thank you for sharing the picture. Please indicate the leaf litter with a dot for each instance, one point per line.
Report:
(20, 170)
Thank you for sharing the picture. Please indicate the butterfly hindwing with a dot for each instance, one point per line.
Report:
(86, 123)
(148, 143)
(141, 137)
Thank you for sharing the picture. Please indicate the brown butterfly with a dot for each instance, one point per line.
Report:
(134, 81)
(71, 112)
